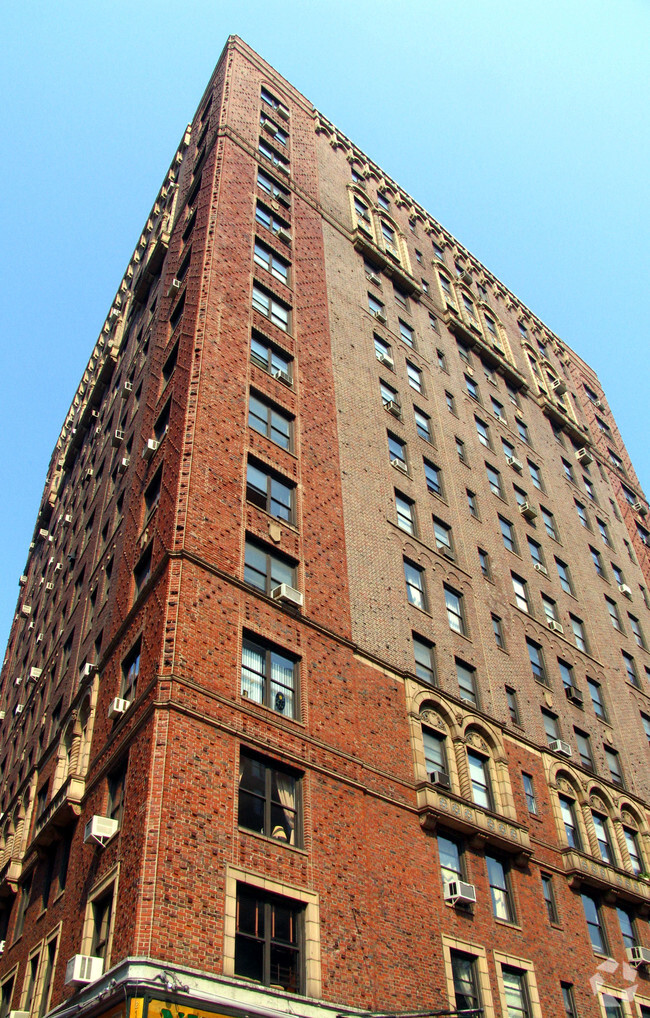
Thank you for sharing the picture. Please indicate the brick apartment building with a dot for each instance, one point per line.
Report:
(328, 688)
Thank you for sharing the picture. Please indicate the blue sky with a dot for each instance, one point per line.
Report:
(521, 126)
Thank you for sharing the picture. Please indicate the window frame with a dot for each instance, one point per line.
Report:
(265, 649)
(270, 769)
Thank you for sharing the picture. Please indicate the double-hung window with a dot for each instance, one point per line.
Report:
(454, 605)
(269, 491)
(603, 838)
(268, 798)
(424, 660)
(594, 923)
(414, 577)
(464, 969)
(520, 592)
(269, 676)
(270, 358)
(397, 452)
(480, 778)
(536, 657)
(422, 424)
(494, 480)
(405, 508)
(435, 757)
(433, 478)
(483, 432)
(275, 310)
(467, 685)
(502, 907)
(515, 988)
(267, 420)
(414, 376)
(442, 534)
(508, 534)
(571, 829)
(268, 939)
(266, 568)
(271, 262)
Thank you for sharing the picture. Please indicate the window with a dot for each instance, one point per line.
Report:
(513, 394)
(268, 939)
(615, 460)
(579, 635)
(390, 398)
(405, 508)
(472, 503)
(270, 358)
(513, 706)
(480, 779)
(390, 239)
(604, 533)
(437, 250)
(612, 1005)
(568, 1000)
(635, 626)
(272, 308)
(406, 332)
(483, 433)
(584, 749)
(265, 568)
(266, 490)
(565, 576)
(615, 618)
(466, 676)
(598, 562)
(515, 987)
(536, 553)
(400, 298)
(454, 605)
(630, 669)
(142, 570)
(116, 784)
(589, 488)
(130, 673)
(618, 574)
(268, 799)
(614, 764)
(273, 190)
(497, 409)
(537, 661)
(469, 307)
(521, 593)
(151, 497)
(102, 911)
(271, 101)
(626, 924)
(270, 221)
(170, 364)
(551, 726)
(594, 923)
(265, 419)
(29, 986)
(442, 360)
(269, 260)
(279, 135)
(7, 994)
(414, 577)
(633, 850)
(46, 976)
(499, 889)
(484, 562)
(422, 424)
(645, 721)
(177, 313)
(508, 534)
(472, 389)
(383, 201)
(571, 830)
(451, 403)
(582, 514)
(424, 660)
(529, 792)
(376, 307)
(568, 470)
(273, 156)
(434, 751)
(433, 478)
(523, 432)
(397, 452)
(596, 694)
(442, 535)
(362, 213)
(494, 480)
(603, 838)
(451, 859)
(460, 449)
(549, 523)
(433, 322)
(161, 426)
(466, 983)
(383, 351)
(269, 676)
(414, 376)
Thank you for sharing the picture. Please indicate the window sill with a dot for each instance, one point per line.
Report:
(268, 840)
(507, 922)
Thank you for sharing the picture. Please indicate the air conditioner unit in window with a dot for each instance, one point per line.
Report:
(563, 748)
(26, 610)
(385, 359)
(625, 590)
(58, 567)
(35, 673)
(269, 128)
(527, 511)
(18, 1014)
(126, 389)
(393, 407)
(640, 508)
(597, 403)
(558, 387)
(174, 287)
(2, 715)
(282, 113)
(574, 695)
(18, 680)
(284, 236)
(399, 465)
(150, 448)
(380, 316)
(88, 670)
(440, 778)
(2, 946)
(281, 375)
(539, 568)
(374, 278)
(19, 708)
(281, 168)
(100, 830)
(39, 638)
(284, 199)
(516, 464)
(557, 627)
(123, 464)
(638, 955)
(283, 592)
(82, 969)
(49, 585)
(43, 534)
(460, 893)
(466, 278)
(584, 456)
(118, 437)
(117, 708)
(22, 580)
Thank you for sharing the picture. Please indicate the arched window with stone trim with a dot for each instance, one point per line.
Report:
(437, 763)
(484, 775)
(633, 836)
(568, 804)
(64, 757)
(601, 835)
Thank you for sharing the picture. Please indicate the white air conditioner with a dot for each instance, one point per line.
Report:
(123, 464)
(88, 670)
(58, 567)
(284, 199)
(640, 508)
(460, 893)
(584, 456)
(126, 389)
(17, 1014)
(638, 955)
(598, 404)
(90, 473)
(149, 449)
(43, 534)
(100, 829)
(39, 638)
(66, 519)
(527, 511)
(373, 278)
(282, 375)
(516, 464)
(558, 387)
(174, 287)
(385, 359)
(35, 673)
(440, 778)
(283, 592)
(574, 695)
(282, 112)
(557, 627)
(82, 969)
(284, 236)
(281, 168)
(22, 580)
(26, 610)
(19, 708)
(393, 407)
(563, 748)
(118, 437)
(2, 943)
(269, 128)
(399, 465)
(466, 278)
(625, 590)
(49, 585)
(118, 707)
(469, 370)
(31, 626)
(539, 568)
(18, 680)
(380, 316)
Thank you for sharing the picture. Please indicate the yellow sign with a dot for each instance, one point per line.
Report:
(166, 1009)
